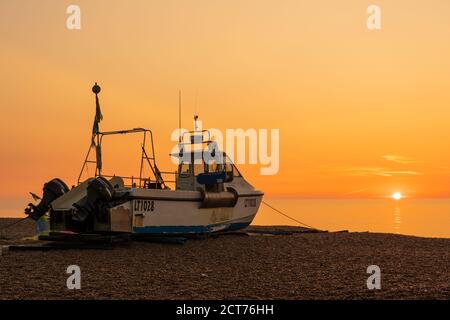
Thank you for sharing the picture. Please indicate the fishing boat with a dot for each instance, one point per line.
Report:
(206, 194)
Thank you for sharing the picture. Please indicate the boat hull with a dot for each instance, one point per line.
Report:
(171, 216)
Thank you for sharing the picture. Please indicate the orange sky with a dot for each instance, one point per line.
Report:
(361, 113)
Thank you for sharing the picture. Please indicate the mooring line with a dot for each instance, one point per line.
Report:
(289, 217)
(10, 225)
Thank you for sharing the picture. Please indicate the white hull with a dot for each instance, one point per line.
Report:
(180, 212)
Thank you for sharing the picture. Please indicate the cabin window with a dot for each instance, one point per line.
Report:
(185, 169)
(236, 172)
(212, 166)
(229, 167)
(199, 168)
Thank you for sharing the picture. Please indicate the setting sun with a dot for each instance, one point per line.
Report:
(396, 196)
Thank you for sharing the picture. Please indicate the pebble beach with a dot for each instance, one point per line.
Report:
(245, 265)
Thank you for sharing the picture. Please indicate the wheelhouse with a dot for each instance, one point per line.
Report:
(201, 163)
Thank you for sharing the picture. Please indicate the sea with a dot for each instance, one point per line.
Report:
(416, 217)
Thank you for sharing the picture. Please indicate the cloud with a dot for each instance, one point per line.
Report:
(402, 173)
(378, 171)
(356, 191)
(398, 159)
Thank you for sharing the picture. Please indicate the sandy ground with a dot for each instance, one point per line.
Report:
(297, 266)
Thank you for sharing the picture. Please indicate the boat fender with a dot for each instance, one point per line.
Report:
(211, 199)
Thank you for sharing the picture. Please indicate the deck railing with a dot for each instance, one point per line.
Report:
(137, 182)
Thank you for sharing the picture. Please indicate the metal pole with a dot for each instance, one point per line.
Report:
(96, 164)
(84, 164)
(142, 159)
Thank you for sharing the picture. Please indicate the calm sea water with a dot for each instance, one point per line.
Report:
(427, 218)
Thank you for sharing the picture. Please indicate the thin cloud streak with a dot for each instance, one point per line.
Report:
(398, 159)
(377, 171)
(356, 191)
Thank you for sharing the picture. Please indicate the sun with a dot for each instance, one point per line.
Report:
(396, 196)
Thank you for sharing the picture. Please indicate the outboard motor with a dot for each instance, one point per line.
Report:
(99, 191)
(52, 190)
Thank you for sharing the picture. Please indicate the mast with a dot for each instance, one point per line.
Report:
(96, 130)
(95, 139)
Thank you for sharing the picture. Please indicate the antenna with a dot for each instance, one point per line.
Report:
(179, 115)
(196, 101)
(195, 122)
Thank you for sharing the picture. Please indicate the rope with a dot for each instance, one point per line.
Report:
(289, 217)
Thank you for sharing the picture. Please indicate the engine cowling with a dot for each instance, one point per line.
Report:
(99, 190)
(51, 191)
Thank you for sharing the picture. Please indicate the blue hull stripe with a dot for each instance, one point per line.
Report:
(189, 229)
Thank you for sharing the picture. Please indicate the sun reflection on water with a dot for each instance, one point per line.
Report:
(397, 219)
